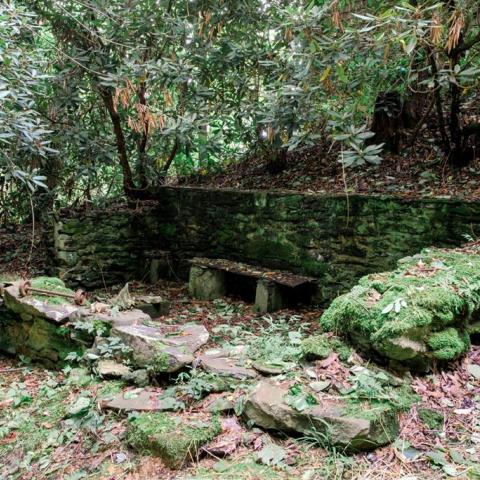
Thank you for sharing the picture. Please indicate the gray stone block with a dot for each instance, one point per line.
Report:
(207, 283)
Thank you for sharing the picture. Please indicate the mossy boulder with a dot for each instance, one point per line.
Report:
(175, 439)
(37, 326)
(415, 316)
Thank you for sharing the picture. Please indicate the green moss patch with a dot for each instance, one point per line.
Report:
(52, 284)
(415, 315)
(316, 346)
(432, 419)
(171, 437)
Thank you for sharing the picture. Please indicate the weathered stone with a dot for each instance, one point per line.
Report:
(218, 404)
(153, 305)
(269, 368)
(362, 429)
(227, 362)
(35, 328)
(31, 306)
(226, 366)
(138, 377)
(268, 297)
(111, 369)
(175, 439)
(331, 237)
(141, 400)
(113, 317)
(207, 283)
(166, 348)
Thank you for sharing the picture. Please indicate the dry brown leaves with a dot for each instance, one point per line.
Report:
(334, 370)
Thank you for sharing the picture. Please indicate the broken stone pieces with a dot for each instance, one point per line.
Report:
(333, 419)
(153, 305)
(113, 317)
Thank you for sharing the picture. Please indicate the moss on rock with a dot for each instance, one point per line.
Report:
(171, 437)
(316, 346)
(415, 315)
(52, 284)
(321, 346)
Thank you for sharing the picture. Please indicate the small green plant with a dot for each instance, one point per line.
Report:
(197, 384)
(298, 399)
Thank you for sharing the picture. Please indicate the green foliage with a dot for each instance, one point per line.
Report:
(97, 100)
(298, 399)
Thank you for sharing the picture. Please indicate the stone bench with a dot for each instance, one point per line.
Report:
(274, 289)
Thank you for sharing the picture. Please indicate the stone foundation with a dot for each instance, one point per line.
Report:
(333, 238)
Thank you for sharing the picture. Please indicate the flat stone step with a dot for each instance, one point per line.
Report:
(277, 276)
(275, 289)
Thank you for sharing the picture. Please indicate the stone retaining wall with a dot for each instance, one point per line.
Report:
(334, 238)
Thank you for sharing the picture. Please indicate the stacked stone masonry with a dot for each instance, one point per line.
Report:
(333, 238)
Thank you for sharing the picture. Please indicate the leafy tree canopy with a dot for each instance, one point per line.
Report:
(100, 98)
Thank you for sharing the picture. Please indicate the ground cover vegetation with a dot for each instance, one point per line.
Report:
(60, 424)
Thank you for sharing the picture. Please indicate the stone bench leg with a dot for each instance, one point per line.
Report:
(207, 283)
(268, 297)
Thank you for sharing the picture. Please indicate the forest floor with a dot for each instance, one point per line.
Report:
(417, 171)
(45, 435)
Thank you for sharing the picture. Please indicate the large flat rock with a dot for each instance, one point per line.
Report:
(164, 348)
(30, 307)
(362, 428)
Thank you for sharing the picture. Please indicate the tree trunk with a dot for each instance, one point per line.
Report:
(128, 184)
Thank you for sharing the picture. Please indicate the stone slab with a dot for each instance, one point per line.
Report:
(165, 348)
(140, 400)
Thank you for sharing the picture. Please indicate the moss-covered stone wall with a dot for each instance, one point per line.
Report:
(334, 238)
(103, 247)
